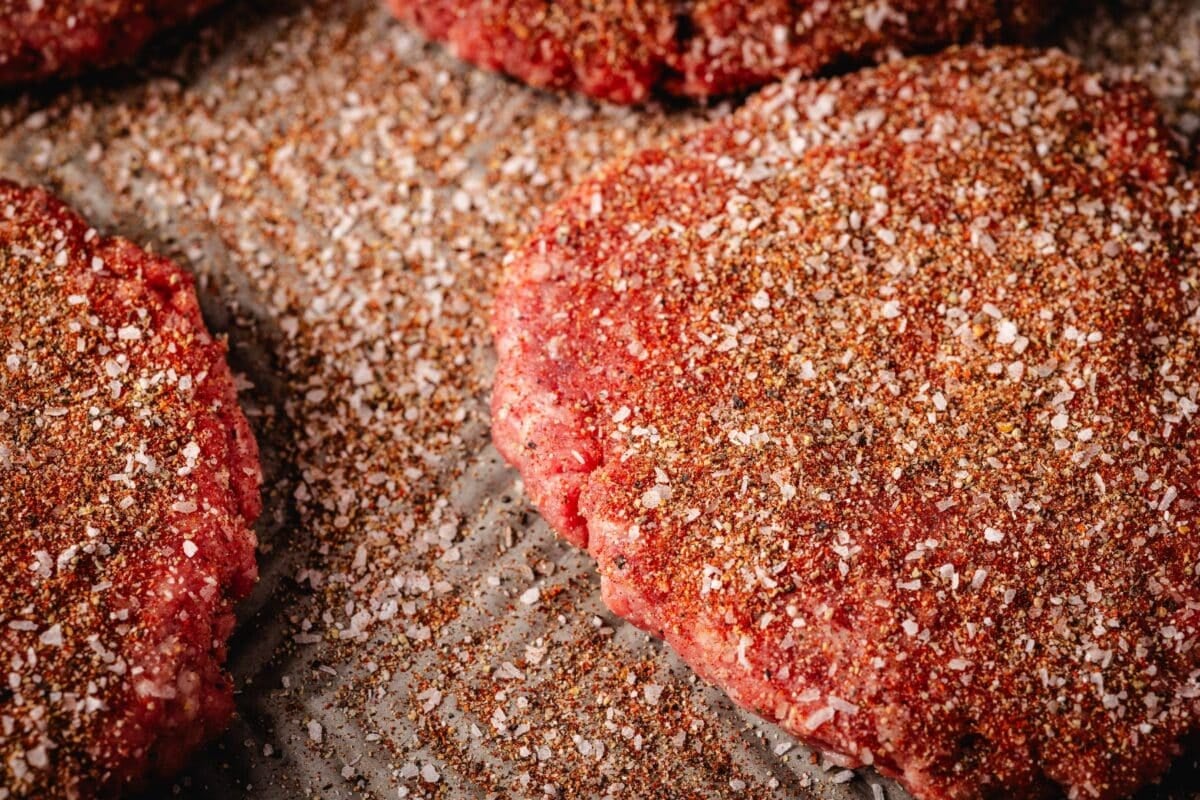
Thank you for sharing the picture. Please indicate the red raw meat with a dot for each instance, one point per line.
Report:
(622, 51)
(40, 39)
(875, 400)
(129, 481)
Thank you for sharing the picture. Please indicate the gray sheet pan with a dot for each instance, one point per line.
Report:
(344, 194)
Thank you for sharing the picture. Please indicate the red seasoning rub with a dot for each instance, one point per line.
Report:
(875, 400)
(128, 484)
(47, 38)
(621, 51)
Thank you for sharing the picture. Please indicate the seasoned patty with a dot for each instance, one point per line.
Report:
(40, 39)
(129, 481)
(875, 400)
(622, 51)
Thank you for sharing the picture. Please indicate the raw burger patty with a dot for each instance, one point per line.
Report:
(621, 51)
(875, 400)
(128, 484)
(44, 38)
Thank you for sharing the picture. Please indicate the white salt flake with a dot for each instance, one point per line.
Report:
(52, 636)
(822, 107)
(1006, 332)
(818, 718)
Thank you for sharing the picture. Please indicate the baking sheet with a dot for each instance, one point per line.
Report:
(344, 194)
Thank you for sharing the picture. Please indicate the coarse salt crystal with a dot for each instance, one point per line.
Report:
(654, 497)
(1006, 332)
(818, 718)
(1168, 498)
(37, 758)
(844, 706)
(52, 636)
(822, 108)
(980, 576)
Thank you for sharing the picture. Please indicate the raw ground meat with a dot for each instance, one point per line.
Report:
(40, 39)
(875, 400)
(128, 485)
(621, 51)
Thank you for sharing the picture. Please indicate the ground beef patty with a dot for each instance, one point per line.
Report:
(128, 484)
(621, 51)
(875, 400)
(44, 38)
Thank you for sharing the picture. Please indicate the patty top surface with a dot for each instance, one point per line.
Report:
(876, 400)
(40, 39)
(128, 483)
(622, 51)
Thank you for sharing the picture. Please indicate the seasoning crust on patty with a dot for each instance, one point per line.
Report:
(129, 481)
(875, 400)
(621, 51)
(41, 39)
